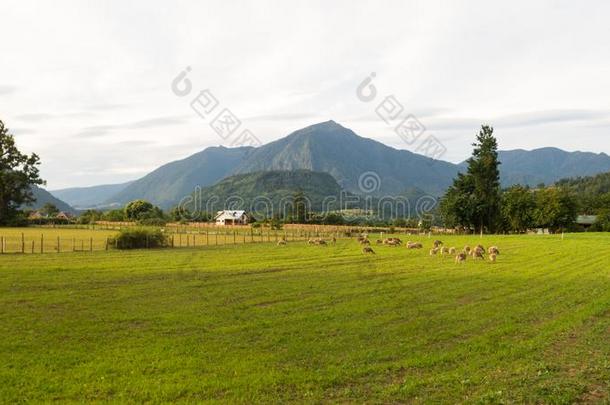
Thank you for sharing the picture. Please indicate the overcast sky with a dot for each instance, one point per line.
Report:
(87, 85)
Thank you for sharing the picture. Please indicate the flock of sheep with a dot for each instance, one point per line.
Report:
(478, 252)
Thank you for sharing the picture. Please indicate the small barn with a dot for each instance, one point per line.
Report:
(63, 215)
(586, 221)
(228, 217)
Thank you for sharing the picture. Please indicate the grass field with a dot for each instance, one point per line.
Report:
(69, 238)
(260, 323)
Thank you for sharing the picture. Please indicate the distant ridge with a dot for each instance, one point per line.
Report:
(548, 165)
(89, 197)
(331, 148)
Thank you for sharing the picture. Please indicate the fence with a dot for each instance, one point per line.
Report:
(31, 242)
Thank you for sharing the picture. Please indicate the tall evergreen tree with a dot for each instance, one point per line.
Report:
(473, 201)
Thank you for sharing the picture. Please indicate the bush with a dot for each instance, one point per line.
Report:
(140, 238)
(152, 222)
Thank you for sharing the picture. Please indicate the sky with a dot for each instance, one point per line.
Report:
(88, 85)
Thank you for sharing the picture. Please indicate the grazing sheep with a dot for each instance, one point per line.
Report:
(379, 241)
(452, 251)
(433, 251)
(444, 250)
(368, 249)
(365, 242)
(461, 257)
(311, 242)
(414, 245)
(467, 249)
(493, 250)
(281, 242)
(392, 243)
(478, 254)
(395, 240)
(321, 242)
(492, 257)
(437, 243)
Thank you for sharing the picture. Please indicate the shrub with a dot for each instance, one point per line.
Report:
(140, 238)
(152, 222)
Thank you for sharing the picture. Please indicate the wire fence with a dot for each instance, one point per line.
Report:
(39, 243)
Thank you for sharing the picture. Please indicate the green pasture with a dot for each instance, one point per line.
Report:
(310, 324)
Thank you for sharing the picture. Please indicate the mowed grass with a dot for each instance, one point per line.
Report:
(69, 239)
(260, 323)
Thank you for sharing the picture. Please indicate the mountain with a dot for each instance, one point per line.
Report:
(268, 192)
(358, 164)
(548, 165)
(89, 197)
(43, 196)
(168, 184)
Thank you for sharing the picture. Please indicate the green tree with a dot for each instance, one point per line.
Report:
(556, 208)
(518, 208)
(18, 173)
(50, 210)
(483, 168)
(458, 205)
(474, 200)
(89, 217)
(138, 209)
(114, 215)
(602, 224)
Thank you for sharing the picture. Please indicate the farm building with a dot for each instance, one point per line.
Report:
(228, 217)
(63, 215)
(586, 221)
(36, 215)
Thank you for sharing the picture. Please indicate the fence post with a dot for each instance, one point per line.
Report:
(32, 246)
(58, 248)
(2, 244)
(234, 238)
(91, 245)
(216, 236)
(74, 244)
(106, 247)
(42, 243)
(22, 243)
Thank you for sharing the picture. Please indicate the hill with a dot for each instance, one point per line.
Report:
(548, 165)
(358, 164)
(168, 184)
(331, 148)
(269, 192)
(43, 197)
(89, 197)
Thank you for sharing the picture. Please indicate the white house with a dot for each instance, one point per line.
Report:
(228, 217)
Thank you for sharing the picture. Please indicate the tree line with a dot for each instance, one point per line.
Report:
(475, 202)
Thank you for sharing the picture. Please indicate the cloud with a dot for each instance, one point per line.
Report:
(158, 122)
(4, 89)
(100, 130)
(549, 117)
(42, 117)
(280, 117)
